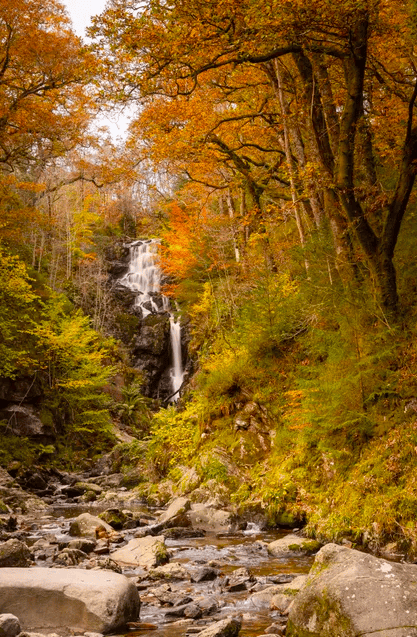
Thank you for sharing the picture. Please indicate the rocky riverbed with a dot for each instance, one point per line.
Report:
(77, 553)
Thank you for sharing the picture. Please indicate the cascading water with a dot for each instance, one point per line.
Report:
(144, 278)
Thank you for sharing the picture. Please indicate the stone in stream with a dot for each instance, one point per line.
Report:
(70, 557)
(282, 600)
(14, 553)
(223, 628)
(239, 580)
(147, 552)
(175, 515)
(173, 570)
(70, 599)
(87, 525)
(349, 593)
(9, 625)
(275, 629)
(293, 544)
(82, 544)
(209, 518)
(115, 517)
(204, 574)
(263, 598)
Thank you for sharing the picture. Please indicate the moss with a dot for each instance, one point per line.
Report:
(114, 517)
(308, 546)
(89, 496)
(3, 507)
(324, 616)
(161, 554)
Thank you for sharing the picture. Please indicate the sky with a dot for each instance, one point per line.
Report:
(80, 12)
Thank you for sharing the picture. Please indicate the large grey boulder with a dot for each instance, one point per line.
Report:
(74, 599)
(352, 594)
(146, 552)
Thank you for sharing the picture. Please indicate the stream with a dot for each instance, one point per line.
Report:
(224, 553)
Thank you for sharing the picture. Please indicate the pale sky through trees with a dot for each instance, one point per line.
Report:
(80, 12)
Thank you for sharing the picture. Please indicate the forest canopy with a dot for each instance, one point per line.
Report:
(290, 105)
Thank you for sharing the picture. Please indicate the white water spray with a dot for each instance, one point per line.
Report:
(144, 278)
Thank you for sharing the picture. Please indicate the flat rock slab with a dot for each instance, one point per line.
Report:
(147, 552)
(352, 594)
(76, 599)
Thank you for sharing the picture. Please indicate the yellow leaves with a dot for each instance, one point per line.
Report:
(204, 304)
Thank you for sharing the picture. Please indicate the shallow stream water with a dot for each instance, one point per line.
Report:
(226, 552)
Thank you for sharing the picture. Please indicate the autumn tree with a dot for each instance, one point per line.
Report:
(331, 74)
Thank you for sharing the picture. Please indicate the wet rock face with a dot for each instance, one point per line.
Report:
(151, 354)
(23, 421)
(19, 390)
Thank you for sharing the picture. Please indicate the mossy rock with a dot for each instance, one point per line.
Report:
(88, 486)
(293, 544)
(4, 508)
(116, 518)
(89, 496)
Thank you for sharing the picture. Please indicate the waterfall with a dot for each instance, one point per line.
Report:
(144, 278)
(177, 372)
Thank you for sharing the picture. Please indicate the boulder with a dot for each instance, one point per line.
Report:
(87, 525)
(173, 570)
(147, 552)
(70, 599)
(9, 625)
(82, 544)
(216, 520)
(88, 486)
(239, 580)
(263, 598)
(204, 574)
(115, 517)
(349, 593)
(14, 553)
(223, 628)
(176, 512)
(283, 599)
(293, 544)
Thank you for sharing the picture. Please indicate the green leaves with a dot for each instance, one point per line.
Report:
(17, 305)
(74, 360)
